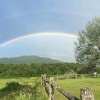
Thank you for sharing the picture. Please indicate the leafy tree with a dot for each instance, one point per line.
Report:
(88, 45)
(30, 70)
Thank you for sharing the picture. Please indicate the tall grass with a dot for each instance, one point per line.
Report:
(16, 91)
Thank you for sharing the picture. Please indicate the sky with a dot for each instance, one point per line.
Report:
(23, 17)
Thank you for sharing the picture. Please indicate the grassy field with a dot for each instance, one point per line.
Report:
(22, 89)
(30, 88)
(73, 86)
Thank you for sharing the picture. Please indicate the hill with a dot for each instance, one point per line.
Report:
(27, 60)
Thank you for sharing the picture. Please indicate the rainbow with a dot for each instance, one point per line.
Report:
(38, 34)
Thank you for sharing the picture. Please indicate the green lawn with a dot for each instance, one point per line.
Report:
(71, 85)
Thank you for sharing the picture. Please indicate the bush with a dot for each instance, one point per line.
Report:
(15, 91)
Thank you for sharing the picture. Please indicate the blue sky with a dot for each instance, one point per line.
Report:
(21, 17)
(53, 46)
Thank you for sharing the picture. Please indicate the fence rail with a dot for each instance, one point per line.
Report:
(50, 87)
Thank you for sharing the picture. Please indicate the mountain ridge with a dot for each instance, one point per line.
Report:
(27, 60)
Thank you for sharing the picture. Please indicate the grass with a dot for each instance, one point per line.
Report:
(74, 85)
(21, 89)
(31, 91)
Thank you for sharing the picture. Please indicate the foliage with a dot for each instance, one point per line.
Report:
(98, 70)
(24, 70)
(88, 45)
(16, 91)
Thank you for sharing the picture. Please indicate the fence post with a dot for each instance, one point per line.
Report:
(51, 88)
(82, 76)
(86, 94)
(41, 80)
(57, 76)
(44, 76)
(76, 76)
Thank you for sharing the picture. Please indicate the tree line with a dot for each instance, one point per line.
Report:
(31, 70)
(35, 70)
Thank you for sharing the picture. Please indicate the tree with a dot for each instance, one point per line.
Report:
(88, 46)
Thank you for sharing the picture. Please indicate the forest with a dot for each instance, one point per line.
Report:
(35, 70)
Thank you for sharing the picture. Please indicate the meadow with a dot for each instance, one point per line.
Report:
(73, 86)
(21, 89)
(31, 89)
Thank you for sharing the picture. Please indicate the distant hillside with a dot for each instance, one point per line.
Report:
(27, 60)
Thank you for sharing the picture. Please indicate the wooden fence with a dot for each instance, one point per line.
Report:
(50, 87)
